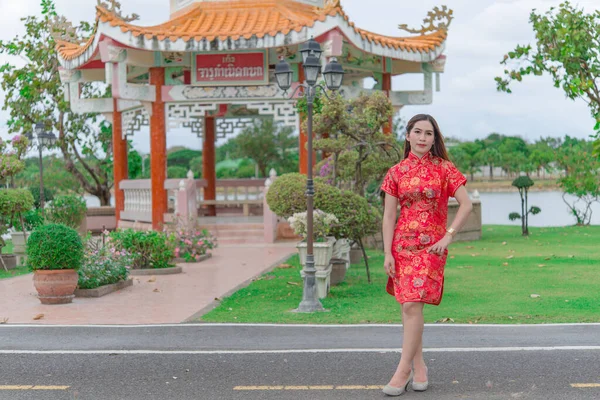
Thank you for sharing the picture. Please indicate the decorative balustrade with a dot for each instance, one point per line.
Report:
(138, 200)
(244, 193)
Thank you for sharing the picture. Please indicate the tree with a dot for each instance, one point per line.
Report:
(399, 128)
(34, 93)
(567, 48)
(581, 180)
(265, 142)
(134, 164)
(523, 183)
(492, 157)
(541, 156)
(514, 153)
(181, 157)
(468, 157)
(56, 175)
(365, 152)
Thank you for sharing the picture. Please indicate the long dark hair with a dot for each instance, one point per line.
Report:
(439, 148)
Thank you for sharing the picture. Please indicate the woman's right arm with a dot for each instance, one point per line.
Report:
(389, 226)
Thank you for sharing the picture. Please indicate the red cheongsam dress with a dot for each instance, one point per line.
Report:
(423, 187)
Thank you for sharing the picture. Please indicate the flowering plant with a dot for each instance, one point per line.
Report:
(11, 162)
(322, 224)
(103, 264)
(190, 244)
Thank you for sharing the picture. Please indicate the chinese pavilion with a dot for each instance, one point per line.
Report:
(210, 68)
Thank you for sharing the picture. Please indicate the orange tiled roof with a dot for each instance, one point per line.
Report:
(237, 19)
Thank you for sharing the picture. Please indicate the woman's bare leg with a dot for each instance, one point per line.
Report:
(419, 365)
(413, 323)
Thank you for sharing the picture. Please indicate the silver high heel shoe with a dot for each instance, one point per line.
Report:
(420, 386)
(394, 391)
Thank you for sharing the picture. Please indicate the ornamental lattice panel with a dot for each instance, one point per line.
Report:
(133, 120)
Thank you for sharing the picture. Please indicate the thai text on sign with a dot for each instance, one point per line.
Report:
(238, 67)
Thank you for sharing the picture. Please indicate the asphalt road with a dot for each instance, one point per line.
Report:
(292, 362)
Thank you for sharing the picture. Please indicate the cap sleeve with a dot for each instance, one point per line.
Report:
(454, 179)
(390, 183)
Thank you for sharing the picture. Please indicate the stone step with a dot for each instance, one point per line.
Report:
(255, 233)
(231, 227)
(242, 240)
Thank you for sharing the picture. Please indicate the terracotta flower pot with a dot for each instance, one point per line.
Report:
(56, 286)
(338, 271)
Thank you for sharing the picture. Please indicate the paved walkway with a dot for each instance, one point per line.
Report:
(151, 300)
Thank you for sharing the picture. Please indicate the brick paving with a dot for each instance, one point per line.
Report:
(151, 299)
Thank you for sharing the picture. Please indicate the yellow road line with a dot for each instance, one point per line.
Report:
(304, 387)
(585, 385)
(32, 387)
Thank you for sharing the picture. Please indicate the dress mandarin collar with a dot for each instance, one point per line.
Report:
(414, 158)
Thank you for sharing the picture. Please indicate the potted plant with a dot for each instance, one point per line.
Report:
(323, 245)
(54, 254)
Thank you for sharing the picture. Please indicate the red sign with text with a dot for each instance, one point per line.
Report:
(226, 68)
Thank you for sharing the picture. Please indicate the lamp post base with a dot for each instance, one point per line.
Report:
(310, 301)
(309, 307)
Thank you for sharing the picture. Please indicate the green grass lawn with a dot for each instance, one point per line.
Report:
(8, 249)
(13, 272)
(487, 281)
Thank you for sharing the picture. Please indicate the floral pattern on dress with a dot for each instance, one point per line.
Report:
(423, 187)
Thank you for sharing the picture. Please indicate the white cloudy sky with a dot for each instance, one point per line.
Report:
(468, 105)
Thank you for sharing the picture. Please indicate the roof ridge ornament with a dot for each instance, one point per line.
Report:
(333, 4)
(432, 16)
(115, 8)
(61, 29)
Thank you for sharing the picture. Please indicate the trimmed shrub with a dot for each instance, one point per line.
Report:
(13, 203)
(68, 210)
(53, 247)
(356, 217)
(287, 195)
(149, 249)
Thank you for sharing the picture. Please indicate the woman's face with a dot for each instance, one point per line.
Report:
(421, 138)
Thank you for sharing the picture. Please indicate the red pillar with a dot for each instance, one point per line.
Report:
(158, 151)
(387, 88)
(208, 163)
(120, 167)
(303, 137)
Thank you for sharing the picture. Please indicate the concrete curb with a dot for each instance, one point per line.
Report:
(156, 271)
(202, 258)
(214, 304)
(103, 290)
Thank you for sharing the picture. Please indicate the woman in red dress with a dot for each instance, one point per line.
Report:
(416, 245)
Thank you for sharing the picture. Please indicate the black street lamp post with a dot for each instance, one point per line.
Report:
(44, 140)
(333, 75)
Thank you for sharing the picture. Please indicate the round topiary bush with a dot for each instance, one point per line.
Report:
(356, 217)
(287, 195)
(54, 246)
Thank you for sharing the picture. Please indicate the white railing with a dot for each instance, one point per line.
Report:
(138, 200)
(231, 193)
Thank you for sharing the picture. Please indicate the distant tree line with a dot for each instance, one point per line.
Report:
(514, 156)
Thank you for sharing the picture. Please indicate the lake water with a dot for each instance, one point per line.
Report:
(495, 208)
